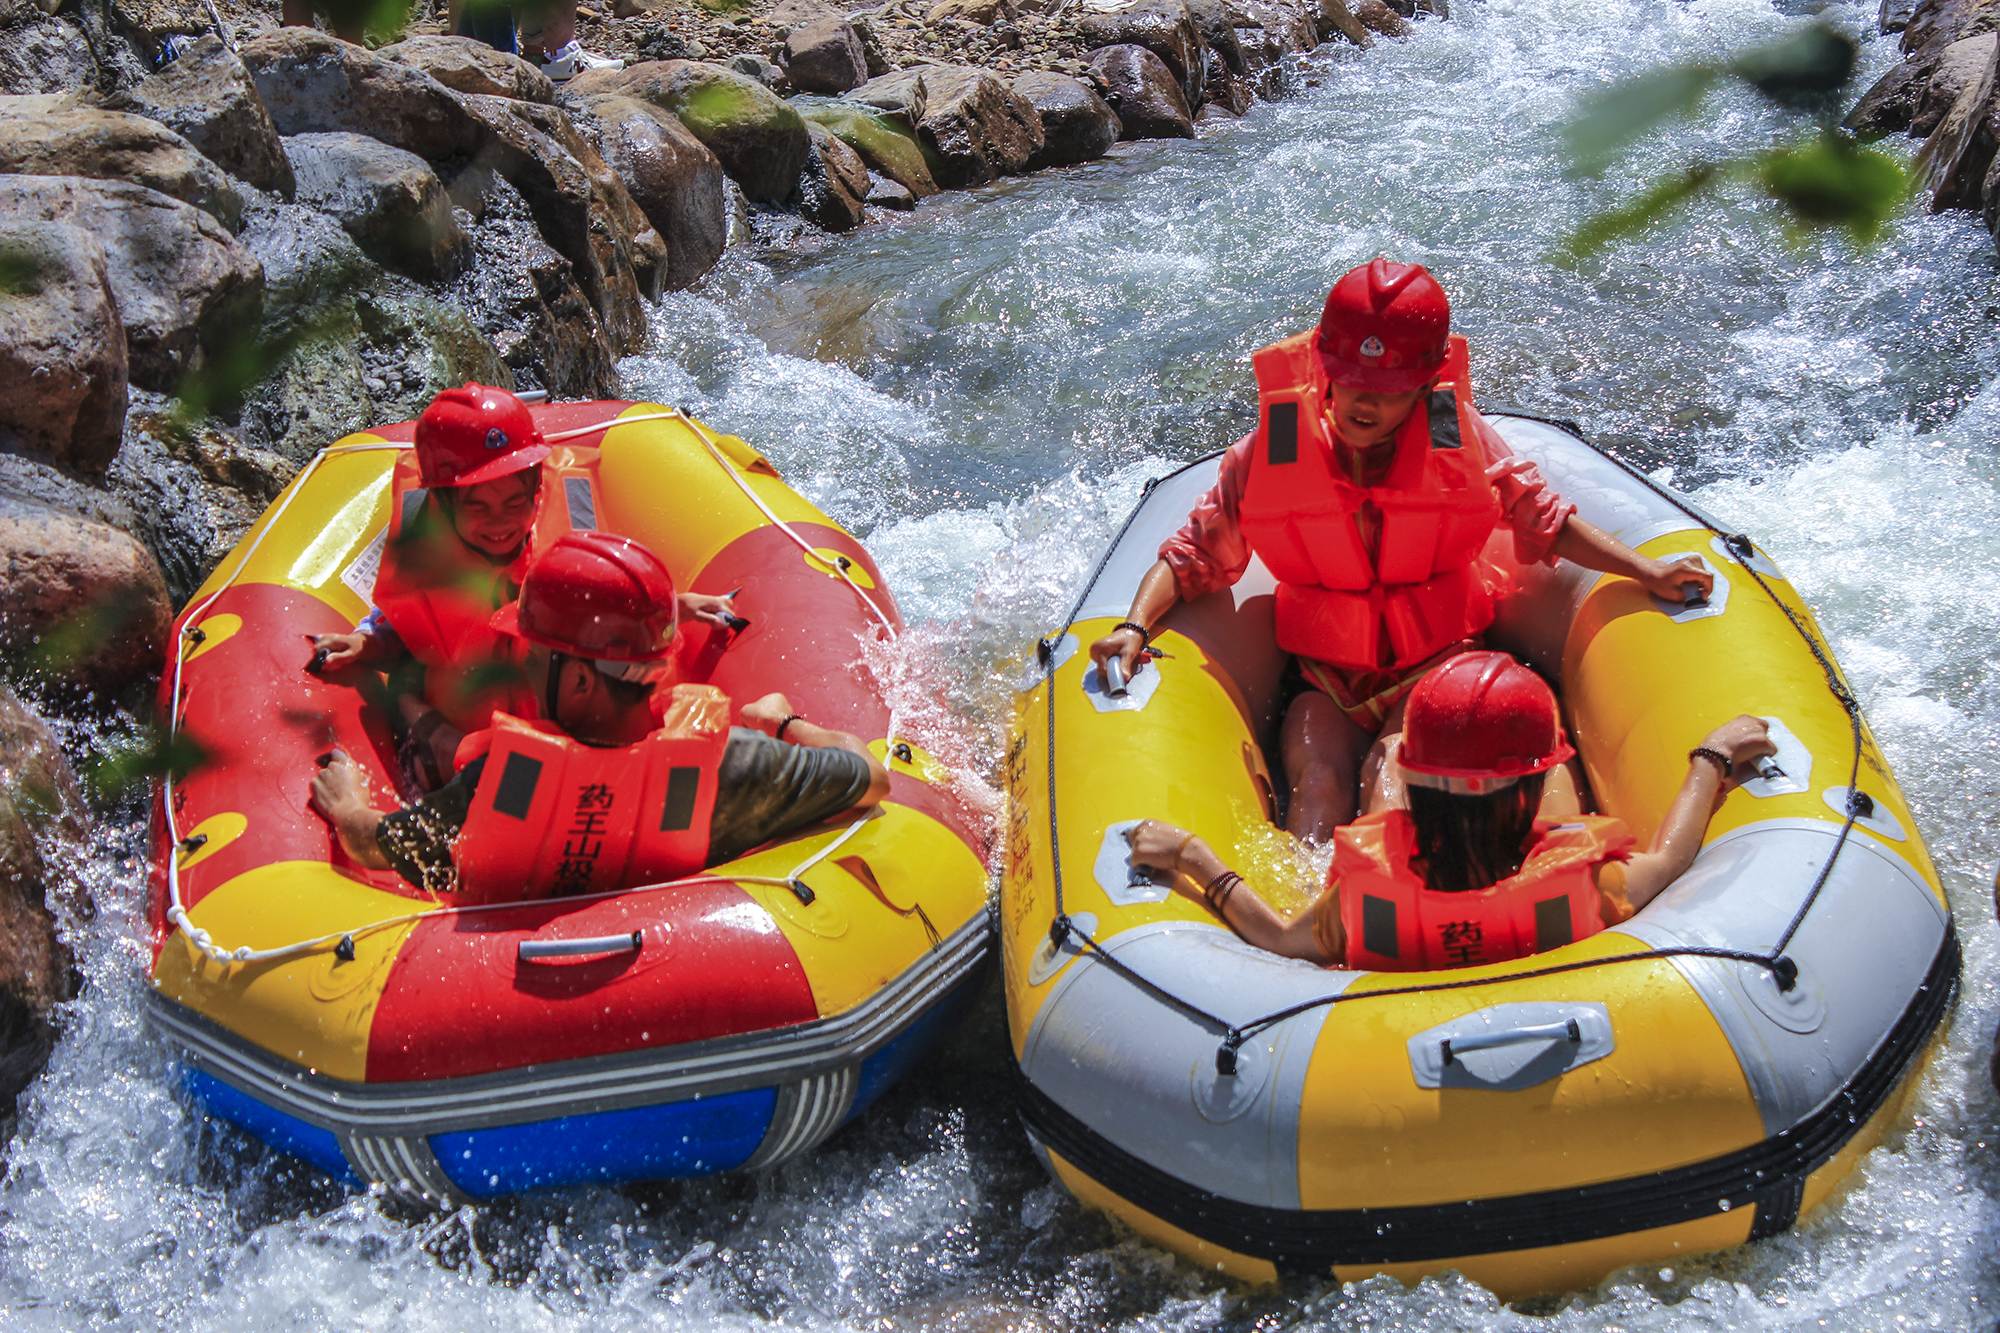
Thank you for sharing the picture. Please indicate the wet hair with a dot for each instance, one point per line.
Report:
(1474, 842)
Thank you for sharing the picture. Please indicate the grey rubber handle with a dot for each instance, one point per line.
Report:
(1489, 1041)
(530, 950)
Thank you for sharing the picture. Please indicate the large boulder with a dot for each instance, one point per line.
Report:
(315, 84)
(669, 173)
(1335, 19)
(1890, 106)
(62, 346)
(900, 95)
(761, 142)
(1165, 27)
(79, 600)
(888, 146)
(1959, 65)
(834, 184)
(388, 200)
(825, 57)
(583, 209)
(973, 127)
(1378, 18)
(184, 287)
(467, 65)
(42, 816)
(1947, 21)
(1077, 124)
(112, 145)
(1215, 20)
(1144, 93)
(207, 98)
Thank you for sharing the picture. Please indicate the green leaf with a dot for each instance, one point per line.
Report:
(155, 755)
(1831, 181)
(1600, 229)
(1613, 118)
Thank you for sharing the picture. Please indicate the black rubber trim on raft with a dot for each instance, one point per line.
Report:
(1769, 1175)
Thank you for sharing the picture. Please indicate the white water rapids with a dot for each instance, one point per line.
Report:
(979, 392)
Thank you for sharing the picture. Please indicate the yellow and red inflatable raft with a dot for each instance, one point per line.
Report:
(1697, 1077)
(726, 1021)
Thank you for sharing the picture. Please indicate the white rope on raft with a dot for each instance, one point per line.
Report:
(205, 943)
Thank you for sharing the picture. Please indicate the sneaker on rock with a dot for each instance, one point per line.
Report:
(571, 60)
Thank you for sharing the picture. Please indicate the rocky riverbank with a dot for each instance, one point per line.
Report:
(224, 245)
(1946, 92)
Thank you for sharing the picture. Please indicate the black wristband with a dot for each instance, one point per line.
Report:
(779, 734)
(1140, 630)
(1708, 752)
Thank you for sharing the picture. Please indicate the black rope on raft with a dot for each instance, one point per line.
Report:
(1784, 971)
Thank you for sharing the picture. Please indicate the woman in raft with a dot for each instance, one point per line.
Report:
(1369, 489)
(1478, 869)
(461, 533)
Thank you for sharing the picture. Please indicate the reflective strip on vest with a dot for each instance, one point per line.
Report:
(1418, 592)
(554, 816)
(1394, 922)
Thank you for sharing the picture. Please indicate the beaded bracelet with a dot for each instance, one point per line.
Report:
(779, 734)
(1140, 630)
(1708, 752)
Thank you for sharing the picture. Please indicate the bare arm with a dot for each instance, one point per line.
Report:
(774, 713)
(341, 793)
(1196, 866)
(1679, 835)
(1158, 592)
(1592, 547)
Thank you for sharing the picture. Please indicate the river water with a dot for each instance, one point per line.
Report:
(979, 392)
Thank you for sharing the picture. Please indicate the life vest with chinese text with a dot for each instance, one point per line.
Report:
(1417, 592)
(1394, 922)
(553, 816)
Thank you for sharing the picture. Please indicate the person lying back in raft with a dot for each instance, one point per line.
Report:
(597, 796)
(1369, 496)
(1469, 874)
(450, 562)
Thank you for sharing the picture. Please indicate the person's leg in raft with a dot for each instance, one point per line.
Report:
(1323, 750)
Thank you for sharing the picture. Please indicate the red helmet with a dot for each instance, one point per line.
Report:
(599, 596)
(475, 434)
(1479, 723)
(1384, 328)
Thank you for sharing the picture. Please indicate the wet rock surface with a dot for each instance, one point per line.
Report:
(1077, 124)
(886, 141)
(1946, 91)
(1144, 93)
(207, 98)
(63, 370)
(388, 200)
(834, 184)
(673, 177)
(759, 139)
(39, 140)
(182, 284)
(84, 602)
(1166, 28)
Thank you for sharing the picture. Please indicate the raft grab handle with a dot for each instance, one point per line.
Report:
(532, 950)
(1507, 1047)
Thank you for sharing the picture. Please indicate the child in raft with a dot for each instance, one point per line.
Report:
(1370, 498)
(1474, 871)
(450, 562)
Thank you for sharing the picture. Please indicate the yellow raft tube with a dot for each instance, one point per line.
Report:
(1694, 1079)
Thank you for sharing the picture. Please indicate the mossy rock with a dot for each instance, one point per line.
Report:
(759, 139)
(887, 148)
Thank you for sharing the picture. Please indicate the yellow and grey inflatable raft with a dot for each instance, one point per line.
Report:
(1696, 1078)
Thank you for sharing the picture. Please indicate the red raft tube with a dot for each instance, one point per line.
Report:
(723, 1022)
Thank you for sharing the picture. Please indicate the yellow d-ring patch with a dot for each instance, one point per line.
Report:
(825, 560)
(217, 831)
(913, 760)
(213, 631)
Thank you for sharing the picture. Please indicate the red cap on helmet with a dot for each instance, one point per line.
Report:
(475, 434)
(1480, 722)
(600, 596)
(1385, 328)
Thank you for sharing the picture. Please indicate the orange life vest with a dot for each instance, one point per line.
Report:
(1420, 592)
(439, 597)
(1394, 922)
(554, 816)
